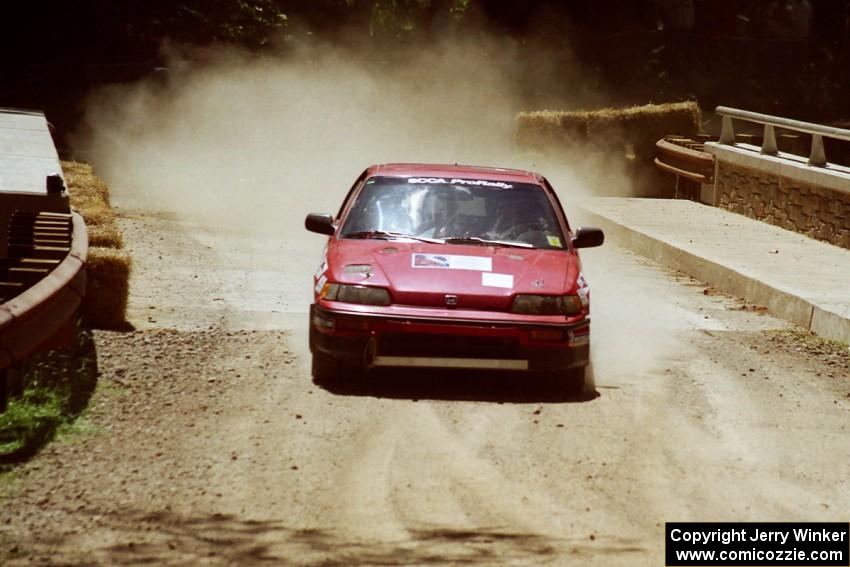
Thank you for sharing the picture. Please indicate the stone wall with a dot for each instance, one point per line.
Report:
(816, 211)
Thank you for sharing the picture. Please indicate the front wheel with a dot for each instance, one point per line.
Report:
(570, 381)
(325, 368)
(574, 379)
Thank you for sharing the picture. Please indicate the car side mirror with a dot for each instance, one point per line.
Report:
(320, 222)
(588, 237)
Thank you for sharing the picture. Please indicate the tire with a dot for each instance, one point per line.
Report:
(574, 380)
(567, 382)
(325, 368)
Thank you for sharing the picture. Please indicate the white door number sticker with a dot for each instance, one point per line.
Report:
(497, 280)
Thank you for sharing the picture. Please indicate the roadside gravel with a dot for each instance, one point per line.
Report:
(127, 462)
(206, 442)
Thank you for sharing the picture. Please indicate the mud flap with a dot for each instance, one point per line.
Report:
(370, 353)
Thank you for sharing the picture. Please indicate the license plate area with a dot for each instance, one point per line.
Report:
(453, 362)
(433, 345)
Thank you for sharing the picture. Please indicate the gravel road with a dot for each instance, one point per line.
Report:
(206, 441)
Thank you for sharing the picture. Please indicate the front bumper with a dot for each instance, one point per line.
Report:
(378, 340)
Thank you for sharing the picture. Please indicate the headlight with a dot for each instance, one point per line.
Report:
(362, 294)
(546, 305)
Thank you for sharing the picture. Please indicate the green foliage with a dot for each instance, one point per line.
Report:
(29, 419)
(631, 49)
(248, 22)
(56, 388)
(395, 19)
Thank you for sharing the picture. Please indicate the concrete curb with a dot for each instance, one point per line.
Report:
(819, 319)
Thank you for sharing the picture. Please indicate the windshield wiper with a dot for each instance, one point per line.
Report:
(385, 235)
(483, 241)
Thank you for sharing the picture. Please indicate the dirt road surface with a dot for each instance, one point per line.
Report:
(206, 441)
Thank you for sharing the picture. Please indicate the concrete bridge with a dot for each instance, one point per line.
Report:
(764, 223)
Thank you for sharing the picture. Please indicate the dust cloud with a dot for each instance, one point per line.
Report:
(260, 141)
(230, 140)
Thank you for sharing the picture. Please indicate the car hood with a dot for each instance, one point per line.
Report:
(423, 274)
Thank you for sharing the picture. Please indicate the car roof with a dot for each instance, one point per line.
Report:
(464, 171)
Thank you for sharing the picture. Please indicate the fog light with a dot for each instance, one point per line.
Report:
(323, 324)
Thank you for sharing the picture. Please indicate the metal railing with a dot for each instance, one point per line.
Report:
(817, 155)
(685, 158)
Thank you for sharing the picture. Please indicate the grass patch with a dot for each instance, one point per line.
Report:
(108, 267)
(29, 419)
(9, 479)
(70, 432)
(56, 387)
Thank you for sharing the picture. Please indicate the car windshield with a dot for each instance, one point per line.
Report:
(457, 211)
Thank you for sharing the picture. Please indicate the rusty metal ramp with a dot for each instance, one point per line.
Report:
(43, 245)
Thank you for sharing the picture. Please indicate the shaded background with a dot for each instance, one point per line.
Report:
(780, 57)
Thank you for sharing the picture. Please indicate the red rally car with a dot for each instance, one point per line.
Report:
(446, 266)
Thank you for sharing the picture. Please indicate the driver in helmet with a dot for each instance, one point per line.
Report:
(437, 217)
(513, 219)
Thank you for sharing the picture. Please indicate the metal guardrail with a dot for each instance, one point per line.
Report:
(817, 155)
(684, 157)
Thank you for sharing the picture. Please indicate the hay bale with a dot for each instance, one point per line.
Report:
(638, 126)
(88, 194)
(105, 236)
(108, 275)
(96, 213)
(642, 126)
(108, 267)
(544, 129)
(627, 136)
(83, 183)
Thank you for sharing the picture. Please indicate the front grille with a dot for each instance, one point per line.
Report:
(428, 344)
